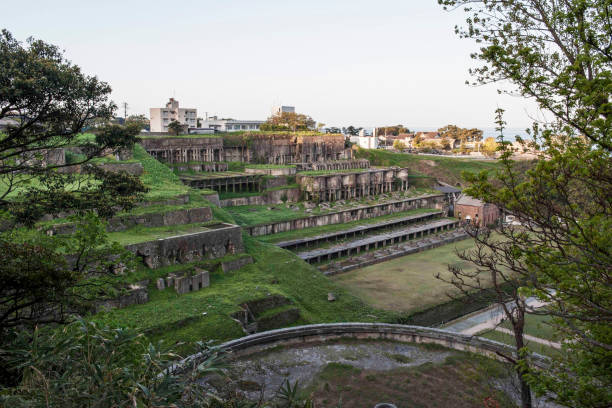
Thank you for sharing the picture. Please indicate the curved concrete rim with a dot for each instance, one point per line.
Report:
(317, 333)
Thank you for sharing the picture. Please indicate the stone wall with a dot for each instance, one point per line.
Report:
(256, 148)
(235, 264)
(436, 201)
(280, 171)
(320, 333)
(211, 243)
(121, 223)
(343, 186)
(292, 195)
(136, 295)
(135, 169)
(184, 149)
(335, 165)
(201, 167)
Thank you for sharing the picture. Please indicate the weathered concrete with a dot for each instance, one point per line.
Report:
(191, 283)
(204, 167)
(392, 252)
(280, 171)
(224, 182)
(288, 195)
(433, 201)
(360, 230)
(124, 222)
(351, 185)
(183, 150)
(134, 169)
(235, 264)
(335, 165)
(136, 294)
(377, 241)
(321, 333)
(212, 242)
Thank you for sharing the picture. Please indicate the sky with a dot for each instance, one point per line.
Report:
(343, 62)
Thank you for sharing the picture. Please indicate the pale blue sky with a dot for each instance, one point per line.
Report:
(366, 63)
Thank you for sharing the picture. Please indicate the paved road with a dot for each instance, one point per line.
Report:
(485, 319)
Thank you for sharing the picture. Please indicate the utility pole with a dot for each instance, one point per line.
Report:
(125, 106)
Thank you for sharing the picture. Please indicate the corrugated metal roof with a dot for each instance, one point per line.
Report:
(447, 189)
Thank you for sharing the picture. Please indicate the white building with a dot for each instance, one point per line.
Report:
(366, 142)
(231, 125)
(161, 117)
(277, 110)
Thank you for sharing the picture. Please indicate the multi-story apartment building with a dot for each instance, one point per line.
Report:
(161, 117)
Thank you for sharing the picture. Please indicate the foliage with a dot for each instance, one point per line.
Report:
(465, 135)
(392, 130)
(489, 147)
(351, 130)
(44, 277)
(288, 121)
(141, 120)
(399, 145)
(175, 127)
(558, 54)
(83, 364)
(50, 101)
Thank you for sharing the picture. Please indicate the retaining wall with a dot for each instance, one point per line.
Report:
(176, 217)
(436, 201)
(211, 243)
(268, 197)
(320, 333)
(281, 171)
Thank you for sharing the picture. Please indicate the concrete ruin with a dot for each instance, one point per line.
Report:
(209, 242)
(433, 201)
(251, 148)
(352, 185)
(335, 165)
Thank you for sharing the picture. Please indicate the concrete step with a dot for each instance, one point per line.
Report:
(378, 241)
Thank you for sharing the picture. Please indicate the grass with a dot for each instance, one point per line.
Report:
(141, 233)
(326, 229)
(229, 194)
(447, 169)
(407, 284)
(276, 271)
(462, 380)
(537, 326)
(161, 181)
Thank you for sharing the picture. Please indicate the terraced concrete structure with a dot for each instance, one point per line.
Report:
(376, 241)
(351, 185)
(228, 181)
(252, 148)
(360, 230)
(362, 212)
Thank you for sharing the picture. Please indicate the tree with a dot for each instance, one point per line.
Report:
(399, 145)
(558, 54)
(288, 121)
(445, 143)
(489, 147)
(175, 127)
(141, 120)
(455, 132)
(47, 277)
(353, 131)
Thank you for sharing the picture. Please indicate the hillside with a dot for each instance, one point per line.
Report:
(447, 169)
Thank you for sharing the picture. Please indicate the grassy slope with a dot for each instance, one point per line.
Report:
(447, 169)
(408, 283)
(275, 271)
(162, 182)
